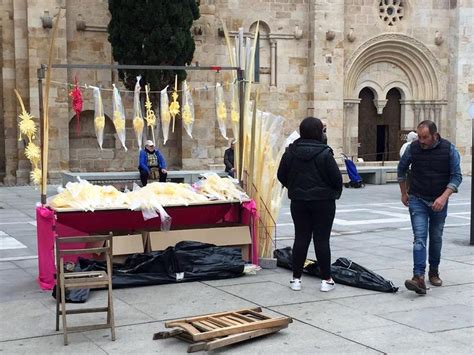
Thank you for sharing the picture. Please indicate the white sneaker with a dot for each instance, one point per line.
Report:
(327, 286)
(295, 284)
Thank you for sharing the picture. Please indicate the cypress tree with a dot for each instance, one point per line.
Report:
(152, 32)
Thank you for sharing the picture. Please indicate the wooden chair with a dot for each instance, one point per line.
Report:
(87, 279)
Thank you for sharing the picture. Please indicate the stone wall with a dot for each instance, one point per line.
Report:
(308, 52)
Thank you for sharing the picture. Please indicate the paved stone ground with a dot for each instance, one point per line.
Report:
(371, 227)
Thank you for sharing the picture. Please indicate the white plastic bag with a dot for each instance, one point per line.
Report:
(188, 110)
(99, 117)
(119, 116)
(138, 122)
(221, 110)
(165, 114)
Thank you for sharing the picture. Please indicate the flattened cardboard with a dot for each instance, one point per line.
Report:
(127, 244)
(222, 236)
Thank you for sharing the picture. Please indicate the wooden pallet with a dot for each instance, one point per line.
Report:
(212, 331)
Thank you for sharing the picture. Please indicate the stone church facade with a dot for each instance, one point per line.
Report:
(371, 69)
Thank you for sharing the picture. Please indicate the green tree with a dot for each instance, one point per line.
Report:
(152, 32)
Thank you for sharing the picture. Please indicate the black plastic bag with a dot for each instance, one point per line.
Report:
(343, 271)
(187, 261)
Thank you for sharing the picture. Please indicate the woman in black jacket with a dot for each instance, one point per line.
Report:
(311, 175)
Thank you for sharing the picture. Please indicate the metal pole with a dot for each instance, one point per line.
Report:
(41, 75)
(140, 67)
(472, 190)
(240, 78)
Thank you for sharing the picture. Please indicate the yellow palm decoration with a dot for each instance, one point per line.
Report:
(150, 117)
(33, 153)
(35, 176)
(99, 122)
(138, 124)
(119, 123)
(174, 106)
(187, 116)
(27, 128)
(221, 112)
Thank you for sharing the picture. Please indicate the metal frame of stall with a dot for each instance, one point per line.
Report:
(41, 76)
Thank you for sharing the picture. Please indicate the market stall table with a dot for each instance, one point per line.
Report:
(66, 222)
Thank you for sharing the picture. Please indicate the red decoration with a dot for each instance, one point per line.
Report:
(77, 101)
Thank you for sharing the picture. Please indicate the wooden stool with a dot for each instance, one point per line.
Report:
(83, 279)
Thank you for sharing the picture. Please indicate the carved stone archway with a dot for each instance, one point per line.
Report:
(419, 80)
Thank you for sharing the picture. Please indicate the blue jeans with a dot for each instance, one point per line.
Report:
(425, 221)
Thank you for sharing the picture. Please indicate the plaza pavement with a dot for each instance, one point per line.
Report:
(372, 228)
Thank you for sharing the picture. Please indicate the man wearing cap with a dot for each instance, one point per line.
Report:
(152, 164)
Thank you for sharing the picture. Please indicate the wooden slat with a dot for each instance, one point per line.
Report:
(257, 314)
(205, 316)
(200, 326)
(199, 346)
(232, 322)
(245, 318)
(85, 239)
(85, 310)
(84, 251)
(237, 338)
(267, 323)
(209, 324)
(187, 327)
(237, 320)
(216, 321)
(222, 321)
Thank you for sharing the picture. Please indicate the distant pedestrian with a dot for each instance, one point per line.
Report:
(311, 175)
(435, 175)
(411, 137)
(229, 159)
(152, 164)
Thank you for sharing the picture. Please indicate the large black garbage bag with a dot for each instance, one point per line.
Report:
(352, 274)
(343, 271)
(187, 261)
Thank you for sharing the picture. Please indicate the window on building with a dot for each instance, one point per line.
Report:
(391, 11)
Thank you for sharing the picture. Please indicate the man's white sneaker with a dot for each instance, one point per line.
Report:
(327, 286)
(295, 284)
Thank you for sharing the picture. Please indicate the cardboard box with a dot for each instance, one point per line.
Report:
(127, 244)
(222, 236)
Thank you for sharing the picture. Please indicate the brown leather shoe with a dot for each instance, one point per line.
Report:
(433, 275)
(417, 284)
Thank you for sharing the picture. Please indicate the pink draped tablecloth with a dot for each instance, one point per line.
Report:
(52, 223)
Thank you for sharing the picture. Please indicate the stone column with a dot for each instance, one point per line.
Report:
(380, 105)
(351, 131)
(273, 62)
(417, 111)
(427, 112)
(437, 116)
(326, 69)
(8, 96)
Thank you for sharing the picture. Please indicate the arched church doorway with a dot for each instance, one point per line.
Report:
(379, 134)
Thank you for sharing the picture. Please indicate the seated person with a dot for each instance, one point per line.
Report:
(151, 164)
(229, 159)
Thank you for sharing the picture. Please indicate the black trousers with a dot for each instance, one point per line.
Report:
(312, 220)
(144, 175)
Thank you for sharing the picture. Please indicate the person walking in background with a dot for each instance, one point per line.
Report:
(229, 159)
(311, 175)
(151, 164)
(411, 137)
(435, 175)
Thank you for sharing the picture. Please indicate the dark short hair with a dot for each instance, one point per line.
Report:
(311, 128)
(430, 125)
